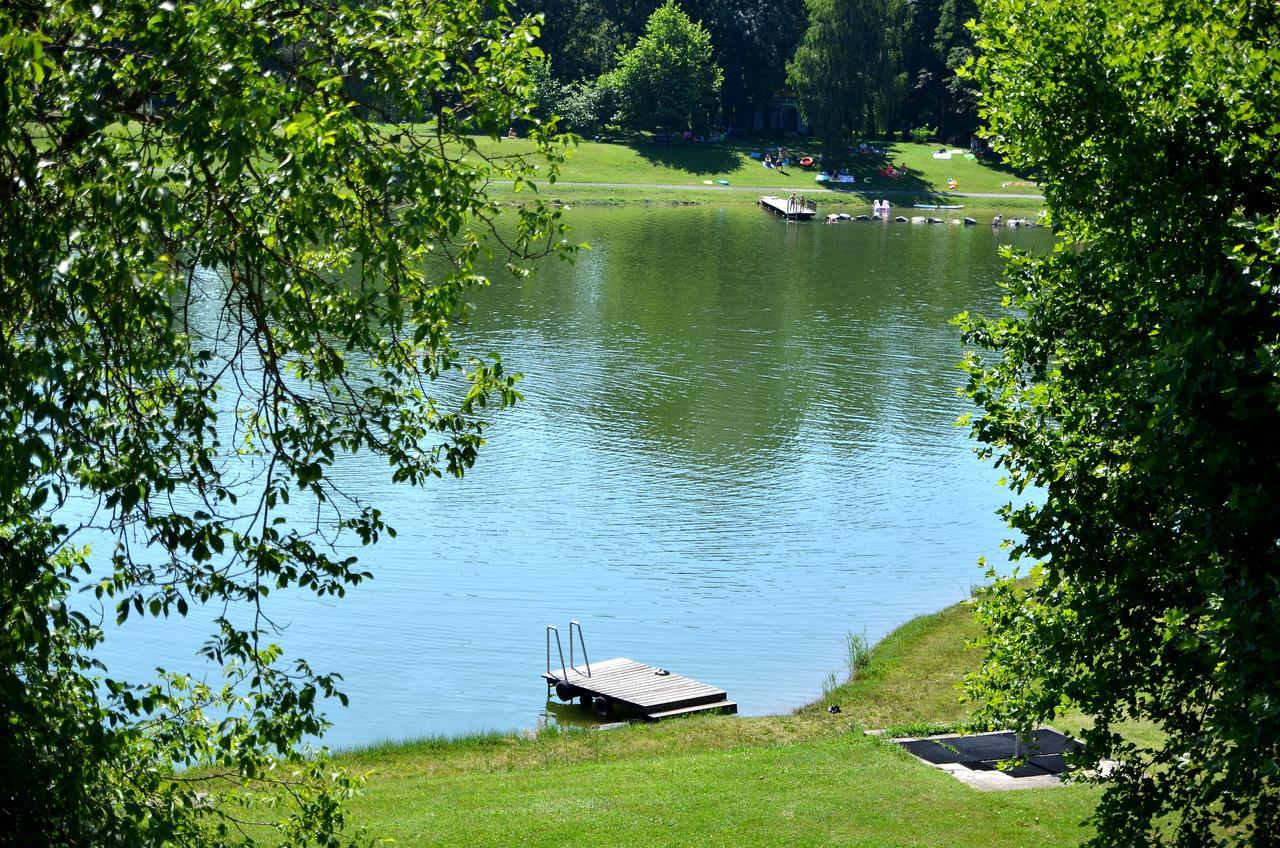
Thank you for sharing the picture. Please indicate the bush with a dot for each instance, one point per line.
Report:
(583, 107)
(922, 135)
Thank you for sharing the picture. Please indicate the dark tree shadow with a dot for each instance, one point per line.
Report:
(1022, 178)
(870, 172)
(697, 158)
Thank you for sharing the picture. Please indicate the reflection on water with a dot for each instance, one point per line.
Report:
(737, 445)
(574, 715)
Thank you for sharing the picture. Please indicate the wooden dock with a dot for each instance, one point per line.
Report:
(625, 688)
(791, 210)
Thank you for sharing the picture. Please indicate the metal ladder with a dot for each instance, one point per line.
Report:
(572, 666)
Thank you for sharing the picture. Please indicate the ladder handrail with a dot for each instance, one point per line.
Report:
(583, 640)
(551, 628)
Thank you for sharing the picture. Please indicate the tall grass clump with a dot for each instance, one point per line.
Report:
(858, 658)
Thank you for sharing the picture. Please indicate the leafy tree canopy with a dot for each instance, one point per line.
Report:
(1137, 386)
(845, 72)
(753, 39)
(233, 239)
(954, 47)
(668, 80)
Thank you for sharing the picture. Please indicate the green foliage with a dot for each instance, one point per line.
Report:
(584, 107)
(1136, 388)
(923, 728)
(668, 80)
(858, 654)
(576, 106)
(753, 41)
(547, 91)
(923, 135)
(845, 72)
(582, 37)
(953, 45)
(225, 263)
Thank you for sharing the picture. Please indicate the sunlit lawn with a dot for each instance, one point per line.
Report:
(692, 164)
(801, 780)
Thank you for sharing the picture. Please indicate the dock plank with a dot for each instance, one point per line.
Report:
(638, 688)
(726, 707)
(792, 210)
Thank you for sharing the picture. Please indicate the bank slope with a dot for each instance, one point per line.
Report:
(807, 779)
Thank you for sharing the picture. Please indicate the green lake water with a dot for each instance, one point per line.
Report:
(737, 445)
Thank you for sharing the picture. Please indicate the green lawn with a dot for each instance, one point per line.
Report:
(689, 164)
(811, 778)
(845, 789)
(586, 194)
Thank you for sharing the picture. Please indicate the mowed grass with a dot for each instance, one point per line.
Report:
(639, 161)
(580, 195)
(914, 674)
(843, 790)
(808, 779)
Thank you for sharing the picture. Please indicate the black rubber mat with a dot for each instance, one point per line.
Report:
(932, 752)
(1023, 770)
(982, 752)
(1052, 763)
(989, 746)
(1052, 742)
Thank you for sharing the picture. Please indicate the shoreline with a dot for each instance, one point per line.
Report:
(784, 779)
(884, 653)
(569, 194)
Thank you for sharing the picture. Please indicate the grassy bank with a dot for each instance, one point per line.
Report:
(692, 166)
(811, 778)
(634, 195)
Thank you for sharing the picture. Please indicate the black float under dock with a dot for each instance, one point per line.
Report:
(625, 689)
(791, 210)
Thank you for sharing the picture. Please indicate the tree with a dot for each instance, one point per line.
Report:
(1135, 386)
(668, 80)
(845, 72)
(575, 106)
(317, 157)
(954, 48)
(924, 70)
(753, 39)
(583, 36)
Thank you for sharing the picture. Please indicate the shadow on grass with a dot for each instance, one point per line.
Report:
(869, 171)
(1022, 178)
(695, 158)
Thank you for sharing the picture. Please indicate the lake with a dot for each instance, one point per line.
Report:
(737, 445)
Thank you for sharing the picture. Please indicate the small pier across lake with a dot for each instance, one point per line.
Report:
(624, 688)
(792, 210)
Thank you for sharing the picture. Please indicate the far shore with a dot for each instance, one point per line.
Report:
(636, 171)
(983, 207)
